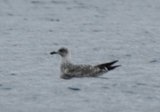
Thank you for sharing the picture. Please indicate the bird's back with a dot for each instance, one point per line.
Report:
(72, 70)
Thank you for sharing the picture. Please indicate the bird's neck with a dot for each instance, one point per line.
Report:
(66, 59)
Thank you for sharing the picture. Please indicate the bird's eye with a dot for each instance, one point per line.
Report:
(62, 50)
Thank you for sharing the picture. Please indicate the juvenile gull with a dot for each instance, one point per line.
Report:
(70, 70)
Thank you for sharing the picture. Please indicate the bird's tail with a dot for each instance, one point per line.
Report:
(109, 66)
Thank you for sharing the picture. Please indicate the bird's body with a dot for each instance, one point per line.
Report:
(70, 70)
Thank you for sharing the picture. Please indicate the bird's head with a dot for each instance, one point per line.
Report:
(62, 52)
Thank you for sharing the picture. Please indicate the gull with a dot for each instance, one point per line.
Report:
(69, 70)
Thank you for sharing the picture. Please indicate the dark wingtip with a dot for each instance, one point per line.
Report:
(109, 66)
(113, 67)
(113, 62)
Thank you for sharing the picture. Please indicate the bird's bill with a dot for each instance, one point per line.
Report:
(54, 52)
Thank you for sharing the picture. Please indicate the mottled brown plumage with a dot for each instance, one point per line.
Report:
(69, 70)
